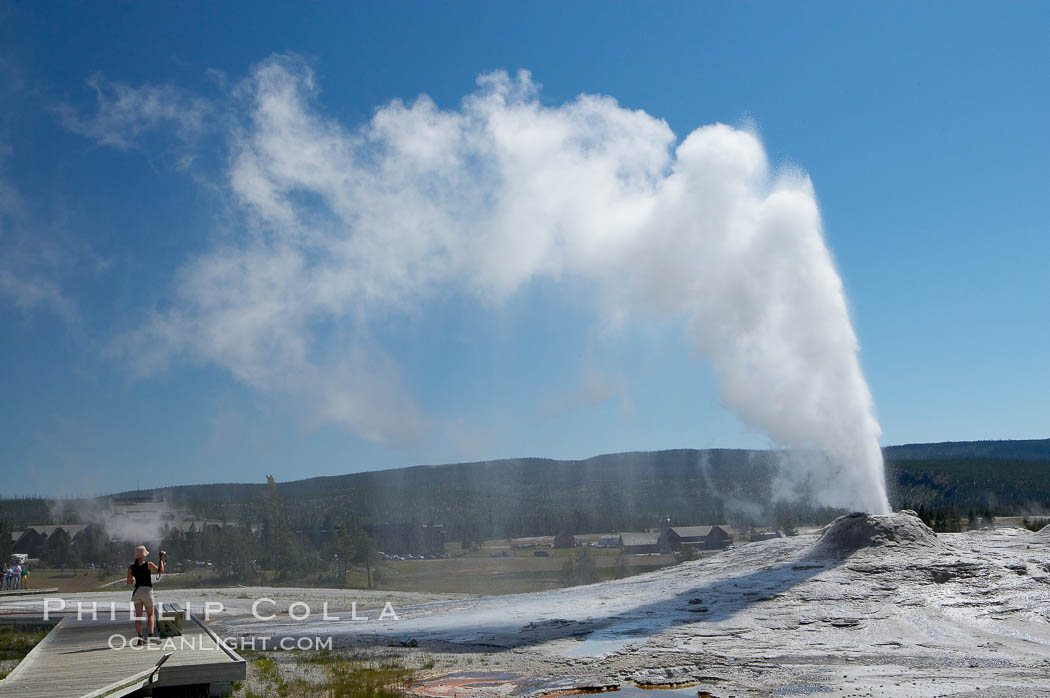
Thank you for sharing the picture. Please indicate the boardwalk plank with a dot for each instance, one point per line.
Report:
(78, 657)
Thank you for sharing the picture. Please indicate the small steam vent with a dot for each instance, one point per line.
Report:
(858, 530)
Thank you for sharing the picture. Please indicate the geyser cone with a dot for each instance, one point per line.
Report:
(852, 532)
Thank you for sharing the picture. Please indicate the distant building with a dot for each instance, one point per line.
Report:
(564, 540)
(720, 536)
(717, 537)
(608, 542)
(760, 535)
(30, 542)
(143, 509)
(640, 543)
(32, 539)
(131, 517)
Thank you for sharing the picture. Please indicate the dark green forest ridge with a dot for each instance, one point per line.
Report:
(616, 492)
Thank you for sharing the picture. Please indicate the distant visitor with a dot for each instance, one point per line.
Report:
(141, 573)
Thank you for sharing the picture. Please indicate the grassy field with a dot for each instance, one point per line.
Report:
(510, 572)
(327, 673)
(495, 567)
(15, 643)
(69, 582)
(1030, 522)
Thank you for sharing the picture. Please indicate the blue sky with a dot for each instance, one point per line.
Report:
(922, 127)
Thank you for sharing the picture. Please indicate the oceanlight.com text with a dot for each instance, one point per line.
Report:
(238, 644)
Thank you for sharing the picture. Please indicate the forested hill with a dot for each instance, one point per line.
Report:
(618, 492)
(529, 496)
(630, 491)
(741, 469)
(1023, 450)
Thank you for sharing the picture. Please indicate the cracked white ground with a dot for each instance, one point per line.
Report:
(965, 613)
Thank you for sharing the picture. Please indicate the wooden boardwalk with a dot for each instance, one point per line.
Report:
(28, 592)
(77, 659)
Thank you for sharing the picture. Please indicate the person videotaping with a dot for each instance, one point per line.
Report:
(141, 573)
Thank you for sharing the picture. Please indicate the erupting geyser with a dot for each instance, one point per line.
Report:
(345, 225)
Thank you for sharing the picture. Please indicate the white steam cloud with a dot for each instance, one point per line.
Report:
(30, 263)
(345, 224)
(126, 113)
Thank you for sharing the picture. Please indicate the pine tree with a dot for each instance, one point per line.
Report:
(6, 544)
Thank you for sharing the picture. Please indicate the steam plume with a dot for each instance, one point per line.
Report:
(344, 224)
